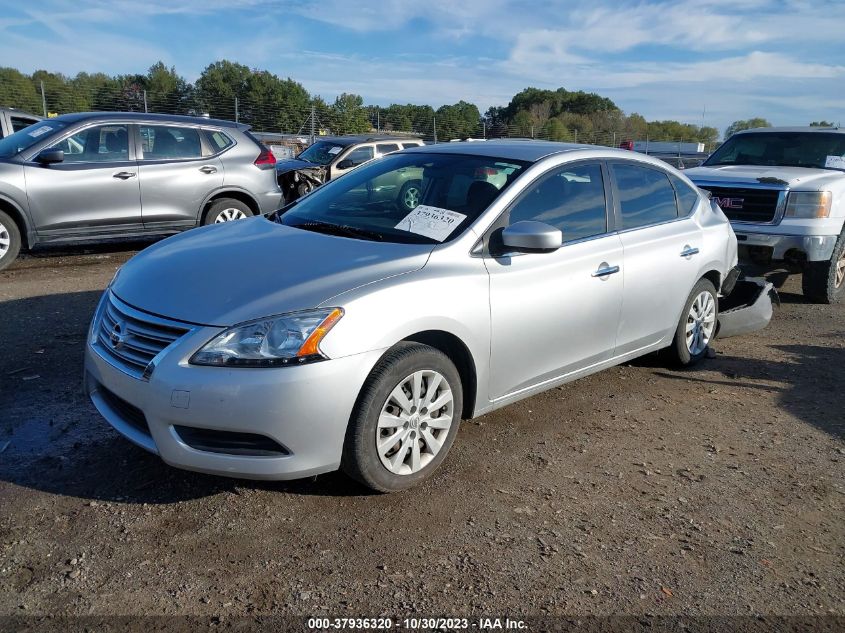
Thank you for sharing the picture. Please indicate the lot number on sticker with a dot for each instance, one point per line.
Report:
(835, 162)
(432, 222)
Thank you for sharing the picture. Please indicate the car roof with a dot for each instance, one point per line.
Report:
(814, 129)
(143, 116)
(510, 149)
(365, 138)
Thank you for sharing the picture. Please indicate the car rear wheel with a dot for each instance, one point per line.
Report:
(10, 240)
(409, 195)
(405, 420)
(824, 282)
(227, 210)
(697, 325)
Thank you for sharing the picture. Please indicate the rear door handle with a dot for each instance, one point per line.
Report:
(689, 251)
(208, 169)
(606, 269)
(124, 175)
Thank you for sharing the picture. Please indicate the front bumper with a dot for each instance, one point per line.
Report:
(305, 409)
(817, 248)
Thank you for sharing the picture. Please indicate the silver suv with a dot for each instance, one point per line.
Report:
(93, 176)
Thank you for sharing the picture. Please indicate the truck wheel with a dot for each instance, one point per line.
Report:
(697, 326)
(824, 282)
(10, 240)
(405, 420)
(226, 210)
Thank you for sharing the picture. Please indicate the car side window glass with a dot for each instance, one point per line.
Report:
(360, 155)
(571, 198)
(219, 141)
(386, 148)
(161, 142)
(645, 195)
(18, 123)
(407, 145)
(687, 196)
(101, 143)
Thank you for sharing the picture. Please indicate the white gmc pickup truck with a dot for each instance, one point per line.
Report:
(783, 190)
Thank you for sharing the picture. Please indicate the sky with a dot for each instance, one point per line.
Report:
(697, 61)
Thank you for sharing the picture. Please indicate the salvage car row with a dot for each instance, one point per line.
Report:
(432, 285)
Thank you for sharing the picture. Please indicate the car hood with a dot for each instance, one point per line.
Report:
(248, 269)
(285, 165)
(785, 176)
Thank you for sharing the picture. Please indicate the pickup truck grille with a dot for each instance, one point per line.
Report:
(131, 339)
(747, 205)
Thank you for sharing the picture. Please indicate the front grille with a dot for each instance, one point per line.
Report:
(130, 414)
(747, 205)
(130, 338)
(230, 442)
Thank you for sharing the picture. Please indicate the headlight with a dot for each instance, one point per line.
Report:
(271, 342)
(808, 204)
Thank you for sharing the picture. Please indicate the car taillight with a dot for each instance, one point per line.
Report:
(265, 160)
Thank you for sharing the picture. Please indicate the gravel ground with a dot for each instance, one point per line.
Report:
(639, 491)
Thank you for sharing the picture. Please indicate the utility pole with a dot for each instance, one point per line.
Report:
(434, 124)
(43, 99)
(236, 109)
(145, 102)
(313, 118)
(378, 119)
(483, 129)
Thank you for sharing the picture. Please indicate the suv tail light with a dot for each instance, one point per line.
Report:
(265, 160)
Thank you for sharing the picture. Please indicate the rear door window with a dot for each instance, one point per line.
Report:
(19, 123)
(645, 195)
(162, 142)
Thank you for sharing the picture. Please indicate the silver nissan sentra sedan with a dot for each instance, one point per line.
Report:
(346, 332)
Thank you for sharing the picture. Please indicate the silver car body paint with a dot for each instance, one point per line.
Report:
(529, 322)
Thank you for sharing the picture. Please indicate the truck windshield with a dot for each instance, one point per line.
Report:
(321, 152)
(816, 150)
(19, 141)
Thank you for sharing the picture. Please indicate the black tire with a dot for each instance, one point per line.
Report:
(360, 456)
(10, 241)
(220, 207)
(821, 282)
(406, 195)
(678, 353)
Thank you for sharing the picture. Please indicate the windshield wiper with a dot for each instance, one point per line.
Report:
(340, 229)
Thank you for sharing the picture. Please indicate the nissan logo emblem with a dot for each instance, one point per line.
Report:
(117, 335)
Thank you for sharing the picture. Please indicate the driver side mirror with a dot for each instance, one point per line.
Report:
(529, 236)
(346, 163)
(50, 155)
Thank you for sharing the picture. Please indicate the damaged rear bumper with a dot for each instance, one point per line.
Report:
(748, 308)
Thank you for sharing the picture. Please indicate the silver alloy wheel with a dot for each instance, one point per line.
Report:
(414, 422)
(411, 198)
(840, 270)
(701, 321)
(5, 241)
(227, 215)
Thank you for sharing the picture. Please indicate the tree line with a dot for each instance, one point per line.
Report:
(230, 90)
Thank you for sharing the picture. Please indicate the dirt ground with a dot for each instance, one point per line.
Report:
(640, 490)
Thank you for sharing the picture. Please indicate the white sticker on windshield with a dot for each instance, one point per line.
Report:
(432, 222)
(835, 162)
(334, 150)
(39, 131)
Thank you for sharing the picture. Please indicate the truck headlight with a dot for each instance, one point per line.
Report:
(808, 204)
(272, 342)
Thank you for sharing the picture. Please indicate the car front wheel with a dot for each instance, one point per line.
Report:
(405, 420)
(697, 325)
(10, 240)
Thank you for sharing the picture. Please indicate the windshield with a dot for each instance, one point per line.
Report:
(786, 149)
(321, 152)
(19, 141)
(418, 198)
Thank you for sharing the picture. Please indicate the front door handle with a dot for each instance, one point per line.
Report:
(124, 175)
(689, 251)
(208, 169)
(606, 269)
